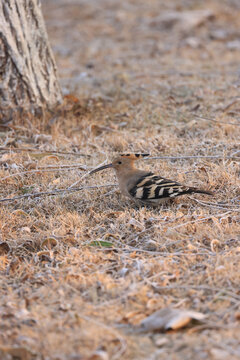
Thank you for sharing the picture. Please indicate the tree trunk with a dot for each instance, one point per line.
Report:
(28, 74)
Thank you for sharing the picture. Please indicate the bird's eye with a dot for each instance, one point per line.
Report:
(119, 162)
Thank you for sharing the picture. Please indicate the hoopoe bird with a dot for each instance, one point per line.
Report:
(145, 187)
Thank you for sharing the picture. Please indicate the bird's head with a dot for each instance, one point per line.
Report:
(124, 161)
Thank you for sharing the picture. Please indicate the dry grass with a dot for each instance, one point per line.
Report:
(83, 269)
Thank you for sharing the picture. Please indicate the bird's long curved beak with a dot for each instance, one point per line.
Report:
(101, 168)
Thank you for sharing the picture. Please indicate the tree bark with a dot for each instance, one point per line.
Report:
(28, 73)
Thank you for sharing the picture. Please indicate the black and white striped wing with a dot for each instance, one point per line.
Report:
(152, 187)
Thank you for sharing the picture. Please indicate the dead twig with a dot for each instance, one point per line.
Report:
(156, 226)
(216, 121)
(230, 105)
(41, 170)
(63, 166)
(54, 192)
(43, 151)
(208, 325)
(217, 205)
(185, 157)
(196, 287)
(199, 220)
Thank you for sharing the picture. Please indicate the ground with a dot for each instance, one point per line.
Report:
(81, 270)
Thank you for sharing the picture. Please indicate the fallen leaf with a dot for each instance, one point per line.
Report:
(233, 45)
(160, 341)
(71, 98)
(97, 129)
(56, 181)
(151, 245)
(49, 242)
(237, 316)
(25, 229)
(65, 307)
(194, 43)
(26, 189)
(99, 355)
(101, 243)
(44, 256)
(170, 319)
(30, 165)
(110, 235)
(136, 224)
(49, 159)
(183, 20)
(12, 267)
(74, 251)
(39, 156)
(220, 354)
(8, 158)
(220, 34)
(45, 252)
(42, 138)
(4, 248)
(123, 272)
(18, 352)
(19, 212)
(215, 245)
(131, 314)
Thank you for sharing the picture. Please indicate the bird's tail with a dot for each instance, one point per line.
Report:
(200, 191)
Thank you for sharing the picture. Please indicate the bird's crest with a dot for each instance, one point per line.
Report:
(134, 156)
